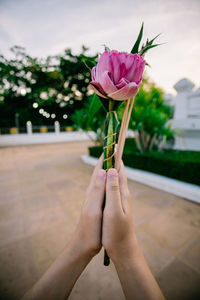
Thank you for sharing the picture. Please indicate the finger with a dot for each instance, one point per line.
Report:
(96, 192)
(124, 191)
(98, 166)
(122, 175)
(113, 199)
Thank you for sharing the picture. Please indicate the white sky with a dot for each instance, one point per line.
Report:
(47, 27)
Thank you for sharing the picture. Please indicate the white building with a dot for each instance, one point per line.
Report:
(186, 115)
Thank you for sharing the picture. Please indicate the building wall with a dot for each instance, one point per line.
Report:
(186, 116)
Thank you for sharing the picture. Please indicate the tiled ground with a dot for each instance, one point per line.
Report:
(42, 188)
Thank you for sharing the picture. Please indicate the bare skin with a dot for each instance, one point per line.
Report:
(120, 241)
(60, 278)
(112, 228)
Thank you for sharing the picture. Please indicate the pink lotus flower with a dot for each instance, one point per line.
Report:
(118, 75)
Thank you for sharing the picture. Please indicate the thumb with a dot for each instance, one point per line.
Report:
(113, 199)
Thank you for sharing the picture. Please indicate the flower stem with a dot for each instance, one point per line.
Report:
(110, 139)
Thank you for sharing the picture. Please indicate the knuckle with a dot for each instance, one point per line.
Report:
(114, 187)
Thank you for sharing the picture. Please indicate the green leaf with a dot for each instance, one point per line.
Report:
(137, 43)
(151, 42)
(95, 105)
(149, 47)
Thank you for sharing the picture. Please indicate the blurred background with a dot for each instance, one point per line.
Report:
(49, 137)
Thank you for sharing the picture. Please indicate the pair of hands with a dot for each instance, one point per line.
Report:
(112, 227)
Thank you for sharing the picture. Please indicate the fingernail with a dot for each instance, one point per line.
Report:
(112, 173)
(102, 174)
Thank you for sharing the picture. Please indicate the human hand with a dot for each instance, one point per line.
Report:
(60, 278)
(118, 236)
(87, 236)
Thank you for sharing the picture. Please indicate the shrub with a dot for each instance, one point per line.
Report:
(150, 116)
(177, 164)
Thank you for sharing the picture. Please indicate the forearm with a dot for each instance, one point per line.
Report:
(60, 278)
(136, 278)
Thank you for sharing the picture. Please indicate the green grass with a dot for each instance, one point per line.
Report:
(177, 164)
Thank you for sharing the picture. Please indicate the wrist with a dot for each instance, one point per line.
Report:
(79, 250)
(126, 253)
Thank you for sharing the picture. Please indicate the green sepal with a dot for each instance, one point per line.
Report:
(137, 43)
(151, 42)
(149, 47)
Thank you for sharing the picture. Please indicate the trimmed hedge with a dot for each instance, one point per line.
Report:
(178, 164)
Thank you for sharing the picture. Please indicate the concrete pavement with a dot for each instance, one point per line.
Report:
(42, 188)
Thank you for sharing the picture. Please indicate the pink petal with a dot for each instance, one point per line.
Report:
(122, 83)
(138, 73)
(131, 71)
(139, 83)
(135, 71)
(103, 65)
(128, 91)
(115, 66)
(129, 60)
(94, 73)
(98, 89)
(106, 83)
(122, 70)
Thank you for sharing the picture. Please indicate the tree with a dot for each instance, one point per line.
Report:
(42, 90)
(22, 81)
(150, 117)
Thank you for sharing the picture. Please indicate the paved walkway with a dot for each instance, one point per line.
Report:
(42, 189)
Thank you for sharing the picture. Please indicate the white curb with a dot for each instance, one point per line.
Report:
(43, 138)
(173, 186)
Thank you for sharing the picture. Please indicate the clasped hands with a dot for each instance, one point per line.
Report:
(111, 227)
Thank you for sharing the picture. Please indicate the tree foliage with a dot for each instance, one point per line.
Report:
(55, 85)
(150, 117)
